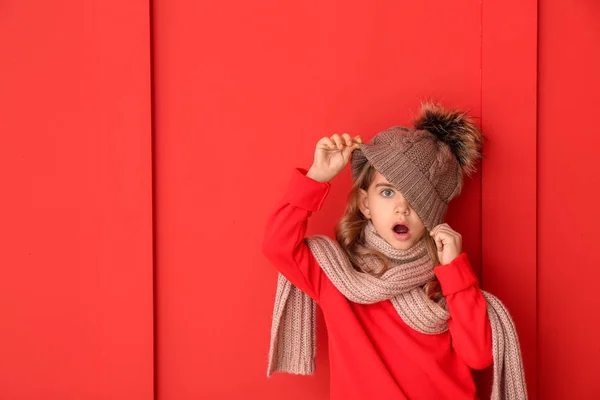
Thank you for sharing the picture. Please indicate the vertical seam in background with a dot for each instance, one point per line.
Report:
(481, 126)
(153, 183)
(537, 219)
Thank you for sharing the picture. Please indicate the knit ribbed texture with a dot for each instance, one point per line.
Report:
(422, 168)
(293, 332)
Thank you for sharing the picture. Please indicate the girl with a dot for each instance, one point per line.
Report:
(405, 316)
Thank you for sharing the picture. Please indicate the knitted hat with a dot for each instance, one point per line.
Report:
(425, 163)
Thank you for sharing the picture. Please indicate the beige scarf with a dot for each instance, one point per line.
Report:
(293, 331)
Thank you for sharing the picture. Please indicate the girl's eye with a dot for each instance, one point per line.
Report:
(389, 191)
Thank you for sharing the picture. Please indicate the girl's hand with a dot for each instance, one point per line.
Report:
(448, 243)
(331, 156)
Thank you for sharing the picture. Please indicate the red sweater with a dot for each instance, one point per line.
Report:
(373, 354)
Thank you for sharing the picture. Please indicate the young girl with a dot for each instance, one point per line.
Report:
(405, 316)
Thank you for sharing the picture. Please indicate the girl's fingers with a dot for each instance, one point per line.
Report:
(349, 149)
(441, 234)
(326, 143)
(343, 142)
(439, 227)
(445, 235)
(449, 231)
(435, 229)
(439, 244)
(338, 141)
(444, 229)
(353, 142)
(347, 139)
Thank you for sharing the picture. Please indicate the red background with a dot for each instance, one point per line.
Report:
(144, 145)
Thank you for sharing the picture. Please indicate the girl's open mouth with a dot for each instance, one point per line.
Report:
(401, 232)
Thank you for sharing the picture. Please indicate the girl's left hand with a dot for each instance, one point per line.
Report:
(448, 242)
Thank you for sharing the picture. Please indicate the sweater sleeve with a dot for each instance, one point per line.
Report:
(469, 325)
(283, 242)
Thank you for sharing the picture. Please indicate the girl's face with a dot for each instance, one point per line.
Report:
(391, 214)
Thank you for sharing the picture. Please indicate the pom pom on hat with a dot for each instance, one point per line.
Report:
(454, 128)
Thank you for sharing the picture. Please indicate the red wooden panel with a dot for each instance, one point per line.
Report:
(75, 214)
(508, 112)
(243, 92)
(569, 350)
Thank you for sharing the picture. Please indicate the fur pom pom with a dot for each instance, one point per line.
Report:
(456, 129)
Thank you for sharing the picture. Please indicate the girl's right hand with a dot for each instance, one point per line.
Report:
(331, 156)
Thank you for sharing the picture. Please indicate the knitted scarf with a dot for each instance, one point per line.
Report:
(293, 331)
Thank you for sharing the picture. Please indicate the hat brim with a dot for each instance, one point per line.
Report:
(406, 177)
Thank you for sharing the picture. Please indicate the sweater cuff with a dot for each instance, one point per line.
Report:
(306, 193)
(456, 276)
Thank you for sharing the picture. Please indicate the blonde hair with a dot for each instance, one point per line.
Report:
(350, 227)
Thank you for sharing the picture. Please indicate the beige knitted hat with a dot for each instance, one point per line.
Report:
(426, 162)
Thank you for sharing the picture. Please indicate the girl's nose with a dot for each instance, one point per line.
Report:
(402, 207)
